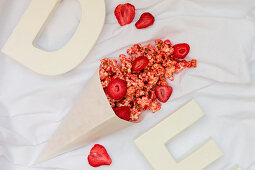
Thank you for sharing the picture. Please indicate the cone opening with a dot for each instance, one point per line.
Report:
(146, 71)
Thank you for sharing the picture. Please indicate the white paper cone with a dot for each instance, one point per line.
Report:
(90, 118)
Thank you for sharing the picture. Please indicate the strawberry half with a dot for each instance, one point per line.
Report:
(145, 20)
(123, 112)
(117, 89)
(98, 156)
(163, 93)
(125, 13)
(140, 63)
(181, 50)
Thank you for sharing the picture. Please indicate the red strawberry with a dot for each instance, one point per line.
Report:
(117, 89)
(98, 156)
(140, 63)
(125, 13)
(181, 50)
(123, 112)
(163, 93)
(145, 20)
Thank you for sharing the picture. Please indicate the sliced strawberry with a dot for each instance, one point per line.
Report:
(117, 89)
(98, 156)
(123, 112)
(140, 63)
(181, 50)
(145, 20)
(125, 13)
(163, 93)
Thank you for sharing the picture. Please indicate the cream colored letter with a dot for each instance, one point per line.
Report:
(236, 168)
(20, 44)
(152, 143)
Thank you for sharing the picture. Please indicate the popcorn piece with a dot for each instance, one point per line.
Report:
(155, 106)
(135, 113)
(160, 71)
(169, 72)
(169, 63)
(162, 81)
(106, 81)
(124, 102)
(180, 66)
(103, 74)
(144, 102)
(109, 65)
(126, 65)
(152, 95)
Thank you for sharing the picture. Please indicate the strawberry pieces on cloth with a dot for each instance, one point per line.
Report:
(117, 89)
(163, 93)
(98, 156)
(146, 20)
(123, 112)
(125, 13)
(181, 50)
(145, 71)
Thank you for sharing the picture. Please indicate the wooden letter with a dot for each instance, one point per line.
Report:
(236, 168)
(152, 143)
(20, 44)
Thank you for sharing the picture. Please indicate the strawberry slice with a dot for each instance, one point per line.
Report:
(98, 156)
(145, 20)
(125, 13)
(123, 112)
(163, 93)
(117, 89)
(181, 50)
(140, 63)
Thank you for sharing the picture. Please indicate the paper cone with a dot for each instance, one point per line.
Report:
(90, 118)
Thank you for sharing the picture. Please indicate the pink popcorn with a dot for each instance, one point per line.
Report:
(106, 81)
(169, 72)
(139, 93)
(144, 102)
(152, 95)
(135, 113)
(124, 102)
(103, 74)
(169, 63)
(160, 71)
(108, 65)
(126, 64)
(162, 81)
(180, 66)
(155, 106)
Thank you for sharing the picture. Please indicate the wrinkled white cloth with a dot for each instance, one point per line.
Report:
(221, 34)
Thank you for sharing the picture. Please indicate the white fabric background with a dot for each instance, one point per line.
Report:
(221, 35)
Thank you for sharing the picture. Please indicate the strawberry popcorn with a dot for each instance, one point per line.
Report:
(139, 82)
